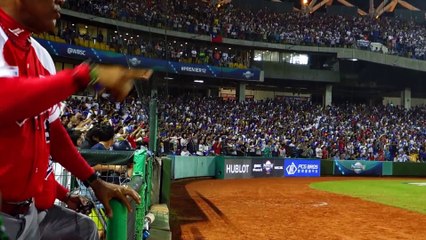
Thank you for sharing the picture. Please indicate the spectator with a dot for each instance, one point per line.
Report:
(217, 146)
(317, 29)
(105, 135)
(185, 152)
(29, 136)
(347, 131)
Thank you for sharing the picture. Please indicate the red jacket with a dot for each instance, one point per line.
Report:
(30, 129)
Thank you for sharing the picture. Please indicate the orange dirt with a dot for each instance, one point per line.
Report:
(283, 208)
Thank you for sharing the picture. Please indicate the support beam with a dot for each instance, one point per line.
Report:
(407, 5)
(386, 8)
(304, 6)
(312, 3)
(241, 92)
(319, 5)
(361, 12)
(380, 7)
(330, 3)
(371, 8)
(348, 4)
(328, 95)
(393, 6)
(406, 98)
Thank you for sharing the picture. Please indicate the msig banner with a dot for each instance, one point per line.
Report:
(201, 70)
(237, 168)
(302, 168)
(355, 168)
(267, 167)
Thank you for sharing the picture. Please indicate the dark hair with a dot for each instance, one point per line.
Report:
(106, 132)
(74, 135)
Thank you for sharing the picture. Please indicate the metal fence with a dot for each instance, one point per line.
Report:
(119, 167)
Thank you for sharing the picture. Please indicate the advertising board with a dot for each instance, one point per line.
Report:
(302, 168)
(267, 167)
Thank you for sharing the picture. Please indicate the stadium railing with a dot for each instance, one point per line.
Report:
(122, 225)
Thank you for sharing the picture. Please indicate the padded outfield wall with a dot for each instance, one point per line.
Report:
(226, 167)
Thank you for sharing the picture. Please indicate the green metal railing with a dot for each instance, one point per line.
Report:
(124, 225)
(141, 182)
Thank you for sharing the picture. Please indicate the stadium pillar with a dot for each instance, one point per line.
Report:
(371, 10)
(153, 117)
(406, 98)
(328, 96)
(213, 92)
(241, 92)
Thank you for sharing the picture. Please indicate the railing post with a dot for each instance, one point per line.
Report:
(117, 225)
(139, 170)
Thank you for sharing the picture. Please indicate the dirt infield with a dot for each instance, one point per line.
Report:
(283, 208)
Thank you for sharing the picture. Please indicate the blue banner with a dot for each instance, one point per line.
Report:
(356, 168)
(201, 70)
(302, 168)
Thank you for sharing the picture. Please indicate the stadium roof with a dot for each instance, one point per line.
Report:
(363, 4)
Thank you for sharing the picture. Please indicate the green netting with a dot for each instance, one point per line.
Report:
(94, 157)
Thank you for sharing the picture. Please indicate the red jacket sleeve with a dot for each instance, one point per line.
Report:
(34, 95)
(64, 152)
(61, 192)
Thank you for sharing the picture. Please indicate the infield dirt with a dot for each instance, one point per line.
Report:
(283, 208)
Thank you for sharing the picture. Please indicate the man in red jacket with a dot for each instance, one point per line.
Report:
(31, 131)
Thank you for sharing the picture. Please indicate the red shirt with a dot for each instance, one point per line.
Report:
(217, 148)
(132, 141)
(30, 129)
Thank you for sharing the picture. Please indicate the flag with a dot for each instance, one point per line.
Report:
(216, 38)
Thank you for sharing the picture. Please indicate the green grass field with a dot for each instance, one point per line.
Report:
(396, 193)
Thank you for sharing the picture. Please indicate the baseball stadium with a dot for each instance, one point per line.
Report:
(260, 119)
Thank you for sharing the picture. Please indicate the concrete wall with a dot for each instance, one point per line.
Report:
(262, 94)
(397, 101)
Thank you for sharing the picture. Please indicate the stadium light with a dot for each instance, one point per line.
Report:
(199, 81)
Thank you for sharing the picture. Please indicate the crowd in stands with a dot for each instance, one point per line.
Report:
(286, 128)
(154, 47)
(404, 38)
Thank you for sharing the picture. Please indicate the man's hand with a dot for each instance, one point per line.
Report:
(119, 80)
(105, 191)
(79, 203)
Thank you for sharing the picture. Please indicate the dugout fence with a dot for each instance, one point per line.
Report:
(132, 168)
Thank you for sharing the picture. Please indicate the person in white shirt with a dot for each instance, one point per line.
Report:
(185, 152)
(318, 152)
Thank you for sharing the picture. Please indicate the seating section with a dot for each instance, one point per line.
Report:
(78, 41)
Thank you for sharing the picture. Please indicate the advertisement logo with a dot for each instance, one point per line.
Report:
(268, 166)
(302, 168)
(76, 51)
(134, 61)
(257, 168)
(237, 168)
(193, 69)
(248, 74)
(358, 167)
(291, 169)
